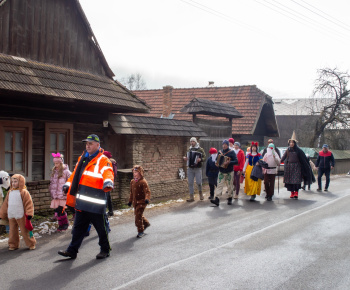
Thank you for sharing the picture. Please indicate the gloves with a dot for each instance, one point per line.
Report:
(29, 217)
(129, 204)
(110, 213)
(146, 201)
(65, 189)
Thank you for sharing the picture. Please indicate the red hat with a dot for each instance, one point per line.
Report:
(213, 151)
(107, 154)
(231, 140)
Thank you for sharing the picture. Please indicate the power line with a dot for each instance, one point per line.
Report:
(330, 20)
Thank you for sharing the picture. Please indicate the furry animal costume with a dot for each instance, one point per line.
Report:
(17, 204)
(5, 182)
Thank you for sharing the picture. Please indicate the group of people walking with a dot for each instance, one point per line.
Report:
(230, 166)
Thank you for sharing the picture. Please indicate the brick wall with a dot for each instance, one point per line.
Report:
(39, 190)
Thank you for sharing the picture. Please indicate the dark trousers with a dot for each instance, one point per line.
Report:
(213, 182)
(269, 181)
(237, 181)
(81, 223)
(140, 220)
(325, 171)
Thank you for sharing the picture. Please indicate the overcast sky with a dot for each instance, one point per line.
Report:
(276, 45)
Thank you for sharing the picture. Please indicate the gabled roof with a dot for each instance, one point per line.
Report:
(211, 108)
(248, 100)
(139, 125)
(300, 107)
(25, 76)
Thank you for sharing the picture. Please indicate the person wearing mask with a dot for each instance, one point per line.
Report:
(273, 160)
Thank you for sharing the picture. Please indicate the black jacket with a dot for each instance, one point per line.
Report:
(233, 161)
(325, 160)
(211, 170)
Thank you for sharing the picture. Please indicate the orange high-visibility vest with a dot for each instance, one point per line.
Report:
(91, 195)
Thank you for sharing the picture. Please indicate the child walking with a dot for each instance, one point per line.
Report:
(212, 171)
(59, 176)
(139, 198)
(18, 208)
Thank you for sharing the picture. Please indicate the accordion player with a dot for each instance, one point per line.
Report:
(221, 160)
(192, 159)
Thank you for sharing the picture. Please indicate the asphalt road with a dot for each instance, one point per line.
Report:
(284, 244)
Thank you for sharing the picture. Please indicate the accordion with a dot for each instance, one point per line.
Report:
(192, 158)
(221, 160)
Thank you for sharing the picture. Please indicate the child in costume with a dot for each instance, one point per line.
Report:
(252, 188)
(59, 176)
(5, 182)
(18, 208)
(212, 171)
(140, 195)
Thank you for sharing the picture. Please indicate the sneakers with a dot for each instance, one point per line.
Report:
(229, 201)
(102, 255)
(326, 189)
(67, 254)
(319, 189)
(140, 235)
(215, 201)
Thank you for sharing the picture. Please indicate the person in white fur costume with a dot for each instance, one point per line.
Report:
(18, 208)
(5, 182)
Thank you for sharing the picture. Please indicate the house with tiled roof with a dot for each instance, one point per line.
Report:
(253, 104)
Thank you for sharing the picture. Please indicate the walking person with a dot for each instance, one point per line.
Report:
(296, 167)
(59, 176)
(140, 196)
(86, 192)
(273, 160)
(212, 171)
(270, 141)
(225, 161)
(238, 169)
(195, 158)
(252, 188)
(231, 143)
(324, 163)
(313, 167)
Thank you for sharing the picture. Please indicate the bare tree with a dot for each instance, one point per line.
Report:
(134, 82)
(331, 102)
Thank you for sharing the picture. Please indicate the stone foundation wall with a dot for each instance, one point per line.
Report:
(39, 190)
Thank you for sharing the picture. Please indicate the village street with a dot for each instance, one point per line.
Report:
(284, 244)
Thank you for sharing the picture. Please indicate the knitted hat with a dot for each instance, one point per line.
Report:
(237, 143)
(139, 169)
(325, 146)
(271, 145)
(231, 140)
(225, 142)
(58, 157)
(107, 154)
(213, 151)
(193, 139)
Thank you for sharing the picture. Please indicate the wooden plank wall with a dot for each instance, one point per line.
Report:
(48, 31)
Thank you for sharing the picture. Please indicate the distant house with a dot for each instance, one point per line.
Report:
(254, 105)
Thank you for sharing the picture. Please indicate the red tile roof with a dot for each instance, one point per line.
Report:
(248, 100)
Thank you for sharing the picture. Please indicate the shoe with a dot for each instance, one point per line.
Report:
(326, 189)
(296, 195)
(146, 226)
(140, 235)
(309, 187)
(201, 196)
(190, 199)
(67, 254)
(292, 194)
(229, 201)
(13, 249)
(235, 196)
(216, 201)
(32, 248)
(319, 189)
(211, 197)
(102, 255)
(269, 198)
(252, 197)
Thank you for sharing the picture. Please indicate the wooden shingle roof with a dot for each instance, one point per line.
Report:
(248, 100)
(26, 76)
(212, 108)
(140, 125)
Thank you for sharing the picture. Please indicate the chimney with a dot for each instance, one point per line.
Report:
(167, 101)
(210, 84)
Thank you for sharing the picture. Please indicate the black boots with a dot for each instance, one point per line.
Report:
(229, 201)
(215, 201)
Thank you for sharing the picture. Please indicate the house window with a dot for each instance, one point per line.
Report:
(58, 138)
(16, 147)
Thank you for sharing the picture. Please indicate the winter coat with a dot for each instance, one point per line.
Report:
(211, 169)
(325, 160)
(56, 183)
(241, 160)
(234, 161)
(257, 173)
(139, 191)
(272, 161)
(27, 202)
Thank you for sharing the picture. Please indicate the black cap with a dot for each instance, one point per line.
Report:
(92, 137)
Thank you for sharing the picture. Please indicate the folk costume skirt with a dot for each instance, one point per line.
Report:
(251, 187)
(292, 176)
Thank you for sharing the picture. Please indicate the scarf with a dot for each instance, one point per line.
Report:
(236, 151)
(195, 147)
